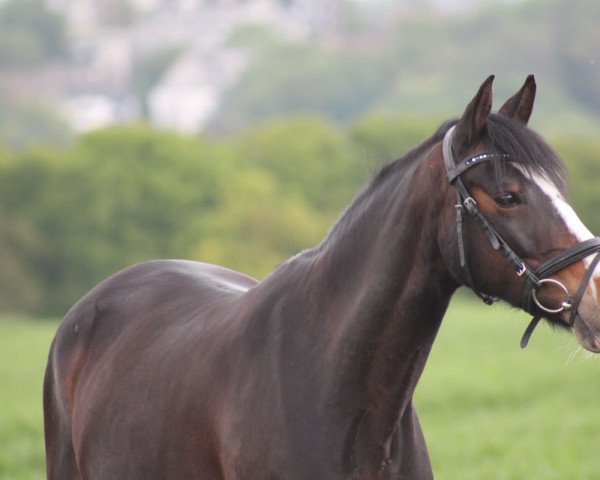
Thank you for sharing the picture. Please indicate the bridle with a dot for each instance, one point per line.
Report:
(534, 279)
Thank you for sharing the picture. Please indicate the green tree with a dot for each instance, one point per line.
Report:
(24, 124)
(381, 137)
(19, 242)
(123, 195)
(308, 157)
(298, 175)
(117, 197)
(259, 225)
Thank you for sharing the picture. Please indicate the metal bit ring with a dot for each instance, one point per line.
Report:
(565, 304)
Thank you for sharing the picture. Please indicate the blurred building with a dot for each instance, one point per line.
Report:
(106, 37)
(189, 93)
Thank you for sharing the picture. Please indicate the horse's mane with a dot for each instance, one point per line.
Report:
(521, 144)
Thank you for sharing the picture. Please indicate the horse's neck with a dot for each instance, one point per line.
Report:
(352, 322)
(387, 281)
(377, 295)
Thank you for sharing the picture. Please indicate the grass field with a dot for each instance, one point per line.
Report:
(23, 352)
(489, 410)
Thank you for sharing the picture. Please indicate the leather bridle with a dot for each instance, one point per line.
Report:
(534, 279)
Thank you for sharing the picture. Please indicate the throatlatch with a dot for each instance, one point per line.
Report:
(533, 279)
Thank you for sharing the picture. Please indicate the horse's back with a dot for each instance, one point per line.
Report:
(148, 300)
(127, 345)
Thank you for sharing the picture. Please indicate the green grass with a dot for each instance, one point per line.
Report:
(23, 351)
(488, 409)
(491, 410)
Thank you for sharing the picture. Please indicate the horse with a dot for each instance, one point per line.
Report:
(175, 369)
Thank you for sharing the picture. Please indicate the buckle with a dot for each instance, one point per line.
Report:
(469, 201)
(470, 204)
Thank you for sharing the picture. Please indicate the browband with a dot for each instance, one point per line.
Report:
(471, 162)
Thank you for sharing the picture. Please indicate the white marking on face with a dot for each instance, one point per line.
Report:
(565, 211)
(572, 221)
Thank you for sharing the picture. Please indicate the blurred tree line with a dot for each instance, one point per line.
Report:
(419, 62)
(71, 216)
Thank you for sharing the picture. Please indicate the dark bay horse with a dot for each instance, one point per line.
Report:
(183, 370)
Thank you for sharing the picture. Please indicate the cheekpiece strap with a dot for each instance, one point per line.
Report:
(465, 203)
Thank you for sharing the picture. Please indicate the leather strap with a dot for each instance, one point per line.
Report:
(529, 330)
(471, 162)
(569, 256)
(463, 202)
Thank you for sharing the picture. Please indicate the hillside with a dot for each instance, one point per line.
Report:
(230, 68)
(425, 63)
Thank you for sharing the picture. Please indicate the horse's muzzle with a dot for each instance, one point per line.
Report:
(586, 324)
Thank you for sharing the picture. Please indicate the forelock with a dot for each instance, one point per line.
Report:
(525, 148)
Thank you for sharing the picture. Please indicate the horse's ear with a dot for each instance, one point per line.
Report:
(471, 125)
(520, 105)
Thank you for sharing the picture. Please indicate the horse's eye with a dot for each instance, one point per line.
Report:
(507, 199)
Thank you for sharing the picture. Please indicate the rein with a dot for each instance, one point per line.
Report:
(534, 279)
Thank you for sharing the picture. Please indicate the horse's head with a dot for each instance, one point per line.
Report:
(514, 235)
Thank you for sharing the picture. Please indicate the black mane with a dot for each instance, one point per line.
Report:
(524, 147)
(521, 144)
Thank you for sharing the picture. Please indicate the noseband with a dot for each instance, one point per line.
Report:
(534, 279)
